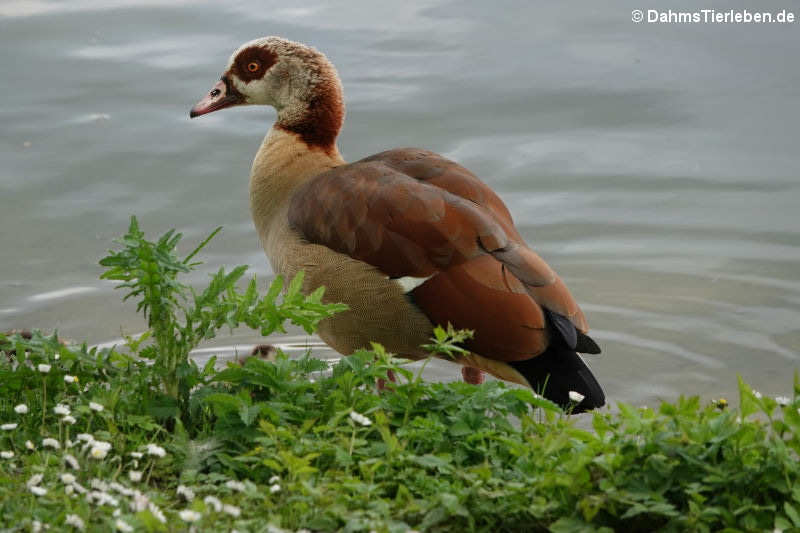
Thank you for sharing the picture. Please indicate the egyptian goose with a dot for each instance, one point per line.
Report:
(406, 238)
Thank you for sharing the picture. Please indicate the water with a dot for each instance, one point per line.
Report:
(655, 167)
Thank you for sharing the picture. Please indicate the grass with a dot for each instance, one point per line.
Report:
(140, 438)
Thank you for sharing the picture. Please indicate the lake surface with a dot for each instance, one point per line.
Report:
(655, 167)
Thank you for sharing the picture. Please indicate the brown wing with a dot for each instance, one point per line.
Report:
(411, 212)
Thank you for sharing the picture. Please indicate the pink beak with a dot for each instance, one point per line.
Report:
(219, 97)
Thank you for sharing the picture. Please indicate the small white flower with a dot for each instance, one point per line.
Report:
(275, 488)
(94, 406)
(61, 409)
(102, 498)
(274, 479)
(361, 419)
(783, 401)
(21, 409)
(36, 526)
(98, 453)
(99, 484)
(74, 521)
(43, 368)
(69, 419)
(232, 510)
(235, 485)
(116, 513)
(38, 491)
(67, 478)
(51, 443)
(214, 502)
(79, 488)
(34, 480)
(135, 475)
(9, 426)
(69, 443)
(30, 445)
(576, 396)
(71, 461)
(154, 449)
(187, 515)
(100, 449)
(7, 454)
(186, 492)
(69, 489)
(123, 526)
(137, 455)
(757, 394)
(157, 513)
(57, 357)
(70, 379)
(140, 501)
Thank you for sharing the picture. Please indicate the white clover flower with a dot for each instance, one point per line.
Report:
(137, 455)
(783, 401)
(214, 502)
(30, 445)
(155, 449)
(43, 368)
(275, 488)
(67, 478)
(235, 485)
(135, 475)
(71, 461)
(361, 419)
(94, 406)
(7, 454)
(61, 409)
(70, 379)
(153, 508)
(69, 419)
(123, 526)
(21, 409)
(51, 443)
(74, 521)
(9, 426)
(34, 480)
(186, 492)
(187, 515)
(576, 396)
(232, 510)
(38, 491)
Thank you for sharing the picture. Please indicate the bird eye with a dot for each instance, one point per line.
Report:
(253, 66)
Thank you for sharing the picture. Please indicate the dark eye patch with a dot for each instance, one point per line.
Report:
(247, 58)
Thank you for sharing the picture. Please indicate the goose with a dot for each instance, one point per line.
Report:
(406, 238)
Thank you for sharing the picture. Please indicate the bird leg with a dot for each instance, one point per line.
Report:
(472, 375)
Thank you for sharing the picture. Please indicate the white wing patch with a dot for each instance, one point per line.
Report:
(409, 283)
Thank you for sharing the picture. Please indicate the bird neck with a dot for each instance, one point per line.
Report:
(283, 163)
(318, 116)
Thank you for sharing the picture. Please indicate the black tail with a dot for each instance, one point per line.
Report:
(558, 371)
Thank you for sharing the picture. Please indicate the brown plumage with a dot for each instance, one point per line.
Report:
(403, 213)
